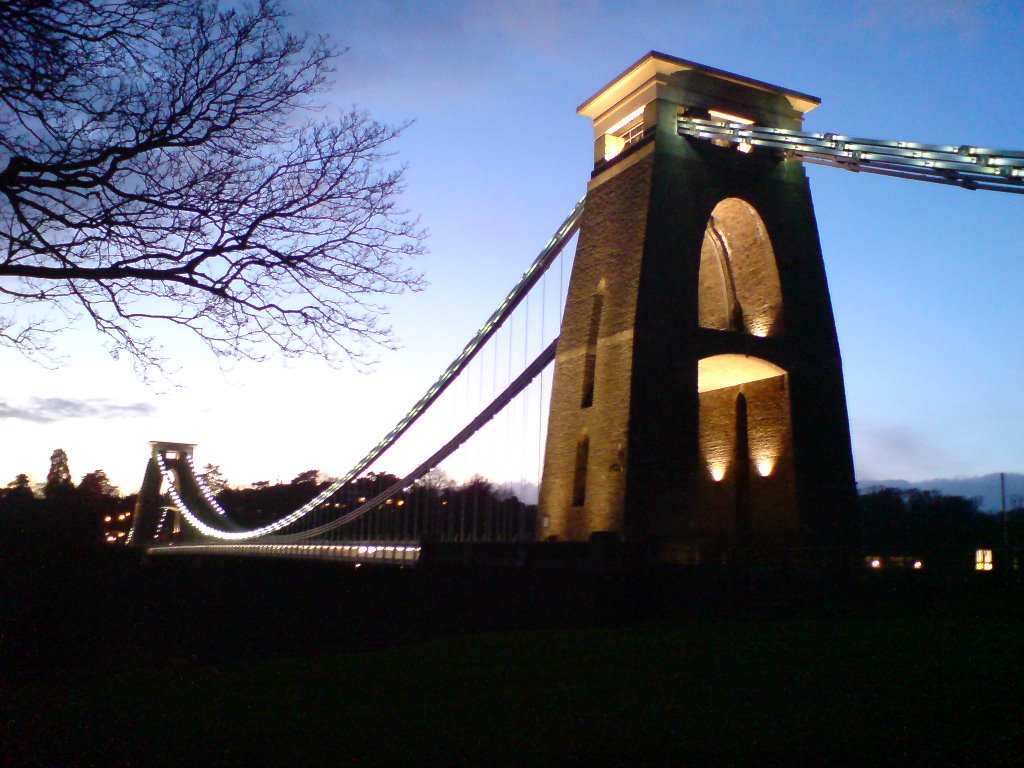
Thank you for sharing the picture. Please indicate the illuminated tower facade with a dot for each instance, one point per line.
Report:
(698, 402)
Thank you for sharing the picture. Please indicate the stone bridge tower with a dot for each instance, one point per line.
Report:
(149, 520)
(698, 402)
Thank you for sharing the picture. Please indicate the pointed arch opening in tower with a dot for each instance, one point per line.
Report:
(738, 285)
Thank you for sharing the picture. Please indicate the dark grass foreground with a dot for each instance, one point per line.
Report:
(889, 690)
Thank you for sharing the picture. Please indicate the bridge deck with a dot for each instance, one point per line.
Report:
(387, 553)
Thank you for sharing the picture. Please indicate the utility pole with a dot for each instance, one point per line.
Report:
(1006, 529)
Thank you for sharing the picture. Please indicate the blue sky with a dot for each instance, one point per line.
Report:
(926, 280)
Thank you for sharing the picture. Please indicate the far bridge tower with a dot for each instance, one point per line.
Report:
(698, 400)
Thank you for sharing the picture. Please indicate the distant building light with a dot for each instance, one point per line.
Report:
(918, 565)
(874, 562)
(983, 560)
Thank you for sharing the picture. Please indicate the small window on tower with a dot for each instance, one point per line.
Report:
(579, 490)
(590, 356)
(629, 130)
(633, 132)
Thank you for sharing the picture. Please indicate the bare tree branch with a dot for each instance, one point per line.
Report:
(163, 160)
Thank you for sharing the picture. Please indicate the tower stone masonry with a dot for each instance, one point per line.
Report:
(698, 403)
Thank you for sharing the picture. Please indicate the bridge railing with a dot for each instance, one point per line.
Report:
(969, 167)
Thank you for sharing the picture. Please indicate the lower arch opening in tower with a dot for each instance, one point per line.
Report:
(747, 511)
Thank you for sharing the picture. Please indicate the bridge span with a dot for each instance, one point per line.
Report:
(681, 393)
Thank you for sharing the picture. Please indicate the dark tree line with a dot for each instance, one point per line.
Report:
(94, 511)
(895, 519)
(61, 512)
(263, 502)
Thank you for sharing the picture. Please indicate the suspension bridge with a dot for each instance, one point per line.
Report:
(676, 383)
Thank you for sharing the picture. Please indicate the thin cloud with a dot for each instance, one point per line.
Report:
(46, 410)
(965, 17)
(891, 452)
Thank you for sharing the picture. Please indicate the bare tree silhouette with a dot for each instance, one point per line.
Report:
(162, 160)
